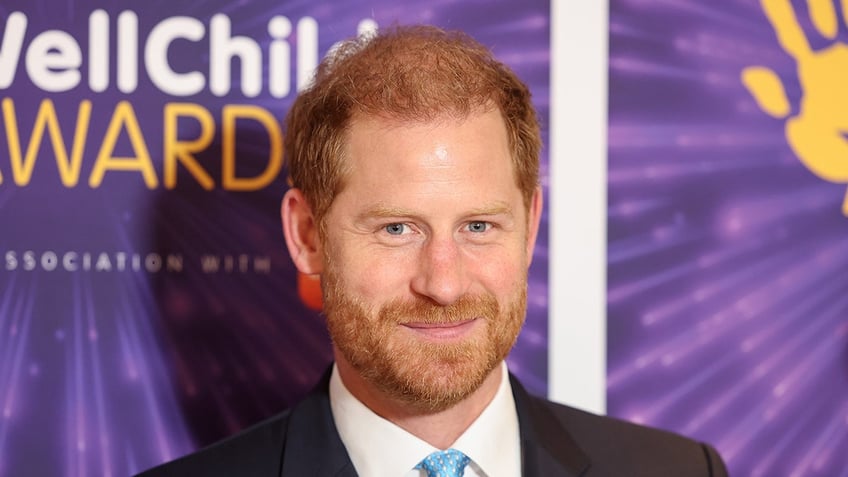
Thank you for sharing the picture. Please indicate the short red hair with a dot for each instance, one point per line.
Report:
(408, 73)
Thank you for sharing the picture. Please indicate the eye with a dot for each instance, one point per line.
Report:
(395, 229)
(478, 226)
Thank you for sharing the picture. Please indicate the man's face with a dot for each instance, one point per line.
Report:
(426, 251)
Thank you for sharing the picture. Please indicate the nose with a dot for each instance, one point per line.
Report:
(441, 274)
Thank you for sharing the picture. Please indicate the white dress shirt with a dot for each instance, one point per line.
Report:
(379, 448)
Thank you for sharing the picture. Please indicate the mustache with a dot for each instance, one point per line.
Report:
(421, 310)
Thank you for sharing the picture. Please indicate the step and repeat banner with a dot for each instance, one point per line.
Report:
(147, 303)
(148, 306)
(728, 227)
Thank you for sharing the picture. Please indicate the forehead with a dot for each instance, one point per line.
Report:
(445, 166)
(466, 144)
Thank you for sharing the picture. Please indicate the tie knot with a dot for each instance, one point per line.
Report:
(448, 463)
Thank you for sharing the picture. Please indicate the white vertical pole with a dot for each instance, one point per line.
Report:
(578, 166)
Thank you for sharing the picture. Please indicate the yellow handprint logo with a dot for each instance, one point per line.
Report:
(816, 133)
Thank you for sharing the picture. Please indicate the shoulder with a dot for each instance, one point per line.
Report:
(557, 436)
(254, 451)
(617, 447)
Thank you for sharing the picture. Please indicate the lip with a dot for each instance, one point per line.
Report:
(443, 331)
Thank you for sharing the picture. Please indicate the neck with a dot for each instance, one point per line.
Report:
(439, 429)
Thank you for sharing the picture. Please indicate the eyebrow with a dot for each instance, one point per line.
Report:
(381, 211)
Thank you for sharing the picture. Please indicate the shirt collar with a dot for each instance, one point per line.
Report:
(492, 441)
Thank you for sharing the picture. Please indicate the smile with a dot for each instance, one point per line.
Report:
(443, 331)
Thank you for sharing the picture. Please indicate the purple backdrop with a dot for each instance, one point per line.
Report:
(726, 255)
(122, 345)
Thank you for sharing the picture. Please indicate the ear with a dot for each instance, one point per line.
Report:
(533, 219)
(301, 231)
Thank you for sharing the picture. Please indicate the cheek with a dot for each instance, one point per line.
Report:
(375, 276)
(498, 271)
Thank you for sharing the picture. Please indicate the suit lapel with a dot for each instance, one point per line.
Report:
(313, 447)
(546, 446)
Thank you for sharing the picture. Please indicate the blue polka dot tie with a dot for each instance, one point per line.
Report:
(449, 463)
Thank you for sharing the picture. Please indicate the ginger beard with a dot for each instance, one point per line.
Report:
(427, 376)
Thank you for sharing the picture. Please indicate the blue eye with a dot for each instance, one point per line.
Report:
(395, 229)
(478, 226)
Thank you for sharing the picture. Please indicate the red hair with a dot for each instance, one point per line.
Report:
(411, 73)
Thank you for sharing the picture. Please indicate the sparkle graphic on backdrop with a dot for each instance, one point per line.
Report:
(139, 322)
(726, 255)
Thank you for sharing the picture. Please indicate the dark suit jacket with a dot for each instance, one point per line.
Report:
(556, 441)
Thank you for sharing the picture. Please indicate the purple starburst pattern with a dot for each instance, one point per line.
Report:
(726, 255)
(139, 322)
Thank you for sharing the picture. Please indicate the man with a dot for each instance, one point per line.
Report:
(414, 160)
